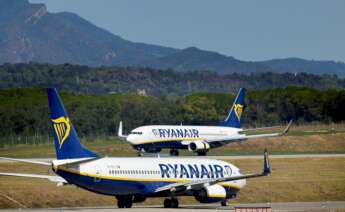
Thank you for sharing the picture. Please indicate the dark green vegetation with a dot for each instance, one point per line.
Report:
(29, 32)
(104, 80)
(24, 112)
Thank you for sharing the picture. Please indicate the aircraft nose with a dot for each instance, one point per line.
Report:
(131, 138)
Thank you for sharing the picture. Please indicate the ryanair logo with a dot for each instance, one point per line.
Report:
(62, 129)
(238, 108)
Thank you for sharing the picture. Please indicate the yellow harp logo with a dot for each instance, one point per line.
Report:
(62, 129)
(238, 110)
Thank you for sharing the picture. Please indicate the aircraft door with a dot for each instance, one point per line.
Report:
(97, 178)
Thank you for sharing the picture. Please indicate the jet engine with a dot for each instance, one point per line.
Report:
(214, 193)
(198, 145)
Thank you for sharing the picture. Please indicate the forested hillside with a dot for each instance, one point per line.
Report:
(24, 112)
(104, 80)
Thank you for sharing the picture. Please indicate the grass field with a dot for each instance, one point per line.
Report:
(301, 139)
(312, 179)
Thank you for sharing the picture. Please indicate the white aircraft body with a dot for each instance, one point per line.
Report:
(199, 139)
(133, 180)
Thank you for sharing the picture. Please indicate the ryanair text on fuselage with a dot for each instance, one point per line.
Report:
(194, 170)
(176, 133)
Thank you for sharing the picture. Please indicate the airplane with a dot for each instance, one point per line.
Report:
(133, 179)
(197, 139)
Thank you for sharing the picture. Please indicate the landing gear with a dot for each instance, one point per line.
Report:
(224, 203)
(171, 203)
(124, 201)
(174, 152)
(202, 153)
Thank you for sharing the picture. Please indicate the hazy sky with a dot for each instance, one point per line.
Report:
(249, 30)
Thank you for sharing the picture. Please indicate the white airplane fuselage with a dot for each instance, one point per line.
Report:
(178, 136)
(142, 176)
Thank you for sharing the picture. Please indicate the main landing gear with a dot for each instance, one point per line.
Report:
(224, 203)
(170, 203)
(124, 201)
(174, 152)
(201, 153)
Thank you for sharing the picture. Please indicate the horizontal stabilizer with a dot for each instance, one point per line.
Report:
(56, 179)
(27, 161)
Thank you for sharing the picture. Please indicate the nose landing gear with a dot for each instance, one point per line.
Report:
(174, 152)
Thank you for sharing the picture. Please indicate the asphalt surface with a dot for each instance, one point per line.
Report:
(289, 206)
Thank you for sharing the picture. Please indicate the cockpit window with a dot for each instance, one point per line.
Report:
(137, 133)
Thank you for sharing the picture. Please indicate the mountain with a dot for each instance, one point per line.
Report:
(308, 66)
(28, 32)
(192, 59)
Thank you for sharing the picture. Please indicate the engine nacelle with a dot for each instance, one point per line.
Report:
(198, 145)
(214, 193)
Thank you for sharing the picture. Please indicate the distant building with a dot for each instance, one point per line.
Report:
(141, 92)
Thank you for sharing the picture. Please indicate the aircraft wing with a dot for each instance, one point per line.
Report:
(27, 161)
(240, 137)
(52, 178)
(197, 185)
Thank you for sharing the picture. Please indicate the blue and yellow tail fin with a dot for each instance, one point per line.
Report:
(235, 114)
(66, 141)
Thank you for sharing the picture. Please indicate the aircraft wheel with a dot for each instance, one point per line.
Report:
(120, 204)
(128, 204)
(202, 153)
(167, 203)
(170, 203)
(174, 203)
(125, 201)
(224, 203)
(174, 152)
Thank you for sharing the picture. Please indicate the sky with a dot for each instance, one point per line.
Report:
(248, 30)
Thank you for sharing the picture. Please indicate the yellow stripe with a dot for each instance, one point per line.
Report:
(57, 131)
(217, 195)
(61, 130)
(139, 179)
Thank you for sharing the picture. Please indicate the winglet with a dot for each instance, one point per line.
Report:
(267, 168)
(286, 130)
(119, 132)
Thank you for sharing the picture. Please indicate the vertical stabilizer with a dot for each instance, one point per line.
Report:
(66, 141)
(234, 117)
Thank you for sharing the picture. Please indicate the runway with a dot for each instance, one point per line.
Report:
(225, 157)
(289, 206)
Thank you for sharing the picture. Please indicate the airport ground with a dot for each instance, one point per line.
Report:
(292, 180)
(300, 178)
